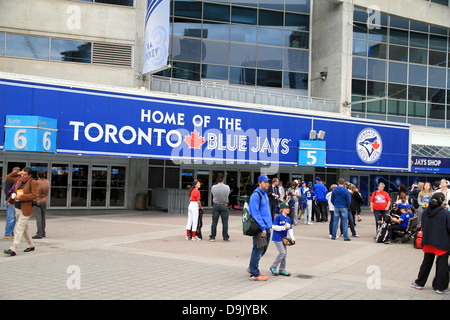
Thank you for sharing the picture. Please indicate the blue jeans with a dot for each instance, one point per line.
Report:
(379, 216)
(257, 253)
(343, 214)
(220, 210)
(10, 219)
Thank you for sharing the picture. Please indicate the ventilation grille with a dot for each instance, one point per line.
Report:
(112, 54)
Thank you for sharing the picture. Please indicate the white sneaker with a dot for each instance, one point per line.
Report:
(188, 238)
(196, 239)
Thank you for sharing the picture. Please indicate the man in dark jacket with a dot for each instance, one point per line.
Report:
(274, 197)
(340, 198)
(435, 242)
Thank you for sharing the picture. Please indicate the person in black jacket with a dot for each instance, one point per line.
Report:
(435, 242)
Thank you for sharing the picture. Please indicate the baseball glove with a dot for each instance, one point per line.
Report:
(288, 241)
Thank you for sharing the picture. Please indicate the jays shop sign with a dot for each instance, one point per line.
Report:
(116, 124)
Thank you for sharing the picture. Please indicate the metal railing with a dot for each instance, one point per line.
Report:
(174, 200)
(223, 91)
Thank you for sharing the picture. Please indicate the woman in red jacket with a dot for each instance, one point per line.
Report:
(380, 201)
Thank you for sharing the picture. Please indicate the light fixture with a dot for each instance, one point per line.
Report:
(312, 135)
(321, 135)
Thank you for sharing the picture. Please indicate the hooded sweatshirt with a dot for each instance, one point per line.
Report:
(340, 197)
(436, 228)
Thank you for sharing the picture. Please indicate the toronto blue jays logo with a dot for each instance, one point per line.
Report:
(369, 145)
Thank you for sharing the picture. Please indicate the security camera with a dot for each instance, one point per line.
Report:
(323, 75)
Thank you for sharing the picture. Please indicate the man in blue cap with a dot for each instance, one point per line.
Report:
(259, 209)
(400, 223)
(321, 192)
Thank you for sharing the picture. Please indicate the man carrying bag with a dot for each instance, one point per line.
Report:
(259, 209)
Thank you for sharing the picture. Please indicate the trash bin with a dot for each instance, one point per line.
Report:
(142, 201)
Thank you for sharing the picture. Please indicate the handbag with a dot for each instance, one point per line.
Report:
(10, 191)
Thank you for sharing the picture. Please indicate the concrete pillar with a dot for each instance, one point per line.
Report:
(137, 180)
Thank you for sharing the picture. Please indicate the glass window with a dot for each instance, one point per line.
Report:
(436, 77)
(216, 12)
(248, 3)
(438, 43)
(397, 91)
(294, 39)
(69, 50)
(377, 50)
(242, 55)
(398, 53)
(358, 87)
(242, 76)
(245, 34)
(186, 49)
(215, 52)
(438, 58)
(419, 26)
(296, 60)
(297, 6)
(378, 107)
(297, 21)
(294, 80)
(360, 48)
(269, 78)
(399, 23)
(376, 70)
(217, 31)
(397, 107)
(2, 43)
(270, 18)
(187, 27)
(378, 34)
(399, 37)
(270, 57)
(417, 75)
(271, 4)
(187, 71)
(360, 31)
(244, 15)
(418, 56)
(359, 68)
(270, 36)
(360, 15)
(192, 9)
(23, 46)
(417, 93)
(436, 95)
(398, 72)
(417, 109)
(376, 89)
(436, 111)
(418, 40)
(358, 107)
(128, 3)
(214, 72)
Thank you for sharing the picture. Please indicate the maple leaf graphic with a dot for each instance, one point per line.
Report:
(375, 145)
(194, 140)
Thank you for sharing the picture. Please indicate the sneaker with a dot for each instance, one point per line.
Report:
(259, 278)
(248, 271)
(188, 238)
(196, 239)
(284, 273)
(416, 286)
(226, 241)
(273, 270)
(442, 291)
(212, 239)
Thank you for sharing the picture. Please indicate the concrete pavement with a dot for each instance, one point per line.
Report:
(130, 254)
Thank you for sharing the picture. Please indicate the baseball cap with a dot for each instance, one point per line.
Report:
(404, 206)
(317, 179)
(284, 205)
(263, 177)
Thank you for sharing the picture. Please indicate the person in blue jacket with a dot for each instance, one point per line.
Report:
(259, 209)
(340, 198)
(321, 197)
